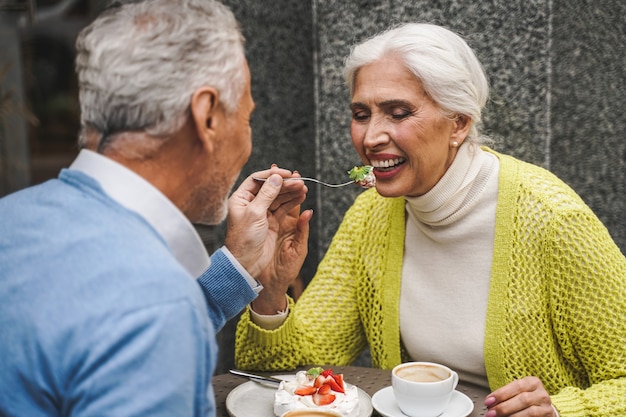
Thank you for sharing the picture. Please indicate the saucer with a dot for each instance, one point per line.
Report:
(385, 403)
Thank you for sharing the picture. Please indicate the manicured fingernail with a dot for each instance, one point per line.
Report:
(489, 401)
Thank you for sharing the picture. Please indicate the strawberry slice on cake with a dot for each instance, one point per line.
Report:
(316, 388)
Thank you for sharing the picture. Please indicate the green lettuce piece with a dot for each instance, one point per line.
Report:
(359, 173)
(314, 372)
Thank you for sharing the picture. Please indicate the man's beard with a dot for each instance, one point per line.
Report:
(212, 202)
(211, 216)
(213, 211)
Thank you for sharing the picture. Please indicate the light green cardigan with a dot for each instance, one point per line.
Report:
(556, 310)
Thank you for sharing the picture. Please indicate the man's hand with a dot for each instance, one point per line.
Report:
(255, 213)
(522, 397)
(283, 270)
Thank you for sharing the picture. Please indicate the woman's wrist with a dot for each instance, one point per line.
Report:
(270, 303)
(269, 322)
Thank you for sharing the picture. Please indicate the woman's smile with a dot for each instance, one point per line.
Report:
(387, 164)
(385, 167)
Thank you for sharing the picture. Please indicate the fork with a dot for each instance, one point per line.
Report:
(310, 179)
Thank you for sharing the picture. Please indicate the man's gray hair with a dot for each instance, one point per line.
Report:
(139, 64)
(440, 59)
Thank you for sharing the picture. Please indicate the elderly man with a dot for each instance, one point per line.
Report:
(109, 304)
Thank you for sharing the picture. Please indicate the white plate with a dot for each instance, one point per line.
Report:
(385, 403)
(252, 399)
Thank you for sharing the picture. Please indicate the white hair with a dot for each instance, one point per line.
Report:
(139, 64)
(448, 69)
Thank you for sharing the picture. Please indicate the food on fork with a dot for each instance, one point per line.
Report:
(316, 389)
(363, 176)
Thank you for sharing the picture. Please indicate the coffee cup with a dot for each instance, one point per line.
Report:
(311, 413)
(423, 389)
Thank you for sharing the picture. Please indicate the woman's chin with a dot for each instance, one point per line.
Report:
(388, 191)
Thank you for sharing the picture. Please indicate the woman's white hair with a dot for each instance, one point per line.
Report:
(446, 66)
(139, 64)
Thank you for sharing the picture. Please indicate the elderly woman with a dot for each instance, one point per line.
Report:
(461, 255)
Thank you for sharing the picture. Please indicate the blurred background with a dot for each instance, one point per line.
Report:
(556, 67)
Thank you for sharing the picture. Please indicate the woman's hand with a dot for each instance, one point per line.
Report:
(522, 397)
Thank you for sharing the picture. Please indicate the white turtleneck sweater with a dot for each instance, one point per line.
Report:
(447, 264)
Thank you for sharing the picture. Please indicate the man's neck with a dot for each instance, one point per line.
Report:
(169, 166)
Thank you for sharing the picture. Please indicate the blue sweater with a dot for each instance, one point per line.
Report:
(97, 318)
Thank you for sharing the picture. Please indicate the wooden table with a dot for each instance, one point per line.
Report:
(369, 380)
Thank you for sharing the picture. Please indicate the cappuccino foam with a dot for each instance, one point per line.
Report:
(422, 373)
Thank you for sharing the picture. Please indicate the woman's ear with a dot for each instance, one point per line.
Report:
(205, 113)
(462, 124)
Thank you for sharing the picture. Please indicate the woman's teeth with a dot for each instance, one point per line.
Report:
(386, 164)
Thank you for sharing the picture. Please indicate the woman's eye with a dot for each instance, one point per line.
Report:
(360, 116)
(400, 114)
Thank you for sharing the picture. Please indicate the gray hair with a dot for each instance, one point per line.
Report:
(139, 64)
(446, 66)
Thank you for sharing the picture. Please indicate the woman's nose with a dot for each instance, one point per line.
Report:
(375, 136)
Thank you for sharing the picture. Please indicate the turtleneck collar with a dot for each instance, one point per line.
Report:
(457, 191)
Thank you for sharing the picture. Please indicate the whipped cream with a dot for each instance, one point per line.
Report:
(285, 399)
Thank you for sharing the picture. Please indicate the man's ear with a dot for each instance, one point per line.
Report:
(205, 113)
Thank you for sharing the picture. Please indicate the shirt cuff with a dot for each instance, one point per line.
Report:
(254, 284)
(270, 321)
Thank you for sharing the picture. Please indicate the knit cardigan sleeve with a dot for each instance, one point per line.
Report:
(350, 303)
(557, 304)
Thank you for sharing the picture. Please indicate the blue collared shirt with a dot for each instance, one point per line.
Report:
(99, 309)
